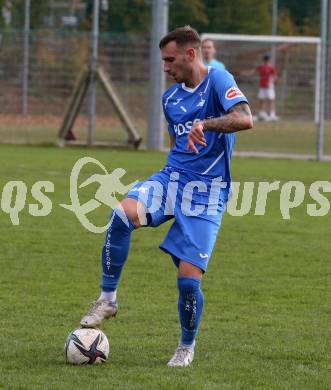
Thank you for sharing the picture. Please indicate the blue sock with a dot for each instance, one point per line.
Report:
(190, 304)
(115, 250)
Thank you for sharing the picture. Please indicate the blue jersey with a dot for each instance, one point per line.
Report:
(182, 106)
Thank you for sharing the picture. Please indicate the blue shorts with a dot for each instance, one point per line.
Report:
(195, 202)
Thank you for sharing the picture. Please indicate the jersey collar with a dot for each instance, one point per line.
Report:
(192, 90)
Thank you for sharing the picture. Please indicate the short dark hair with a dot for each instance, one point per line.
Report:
(182, 36)
(208, 40)
(266, 57)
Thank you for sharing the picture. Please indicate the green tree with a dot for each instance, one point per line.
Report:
(135, 15)
(192, 12)
(285, 24)
(38, 13)
(129, 16)
(304, 13)
(239, 17)
(220, 16)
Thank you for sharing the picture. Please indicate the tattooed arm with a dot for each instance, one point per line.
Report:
(238, 118)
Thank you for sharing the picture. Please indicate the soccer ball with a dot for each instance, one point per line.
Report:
(86, 346)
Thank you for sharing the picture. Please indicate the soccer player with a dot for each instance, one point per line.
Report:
(204, 108)
(208, 54)
(268, 74)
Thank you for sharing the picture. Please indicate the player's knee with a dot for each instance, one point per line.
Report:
(119, 221)
(135, 211)
(188, 270)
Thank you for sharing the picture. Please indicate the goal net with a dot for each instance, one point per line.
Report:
(297, 90)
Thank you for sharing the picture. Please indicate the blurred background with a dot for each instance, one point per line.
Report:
(45, 45)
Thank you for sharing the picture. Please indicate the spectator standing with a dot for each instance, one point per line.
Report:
(208, 54)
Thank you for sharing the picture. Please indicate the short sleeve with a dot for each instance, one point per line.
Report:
(227, 90)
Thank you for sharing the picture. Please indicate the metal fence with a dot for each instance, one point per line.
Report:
(56, 59)
(296, 81)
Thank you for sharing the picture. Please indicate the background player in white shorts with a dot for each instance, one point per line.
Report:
(266, 95)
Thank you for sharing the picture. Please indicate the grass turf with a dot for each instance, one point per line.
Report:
(275, 137)
(267, 298)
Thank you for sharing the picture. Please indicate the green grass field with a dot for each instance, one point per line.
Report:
(276, 137)
(266, 322)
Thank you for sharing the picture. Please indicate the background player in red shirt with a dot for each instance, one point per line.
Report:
(266, 95)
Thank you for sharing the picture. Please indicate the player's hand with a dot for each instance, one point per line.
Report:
(196, 136)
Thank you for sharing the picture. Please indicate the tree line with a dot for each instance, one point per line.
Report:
(295, 17)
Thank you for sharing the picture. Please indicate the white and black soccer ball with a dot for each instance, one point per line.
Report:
(86, 346)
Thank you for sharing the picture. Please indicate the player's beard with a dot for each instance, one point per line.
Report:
(172, 76)
(177, 78)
